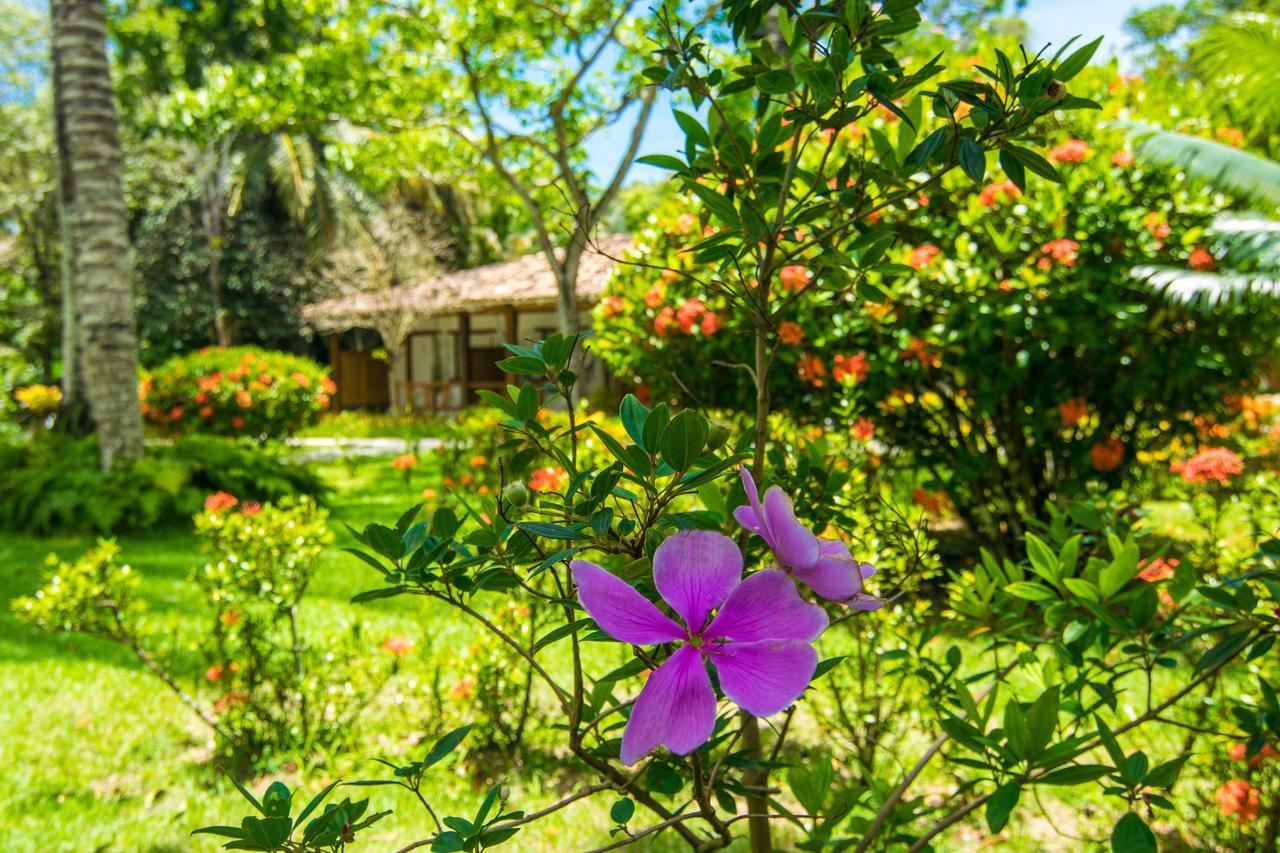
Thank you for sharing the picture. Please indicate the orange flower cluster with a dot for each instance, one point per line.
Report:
(1201, 260)
(1122, 159)
(1159, 569)
(933, 503)
(1156, 224)
(693, 313)
(994, 193)
(397, 645)
(863, 429)
(1237, 797)
(795, 277)
(846, 366)
(1107, 455)
(1062, 251)
(812, 370)
(790, 333)
(1210, 465)
(1071, 151)
(922, 256)
(612, 306)
(1073, 411)
(548, 479)
(918, 350)
(404, 462)
(1231, 136)
(219, 501)
(1239, 751)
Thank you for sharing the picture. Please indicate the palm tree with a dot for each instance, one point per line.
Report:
(1242, 53)
(89, 142)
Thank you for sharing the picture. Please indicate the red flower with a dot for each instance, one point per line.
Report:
(175, 413)
(1238, 751)
(653, 297)
(665, 321)
(300, 378)
(864, 429)
(1156, 225)
(790, 333)
(811, 370)
(218, 501)
(1063, 251)
(397, 645)
(1122, 159)
(1201, 260)
(243, 399)
(921, 256)
(612, 306)
(1073, 411)
(205, 411)
(202, 397)
(1212, 464)
(919, 350)
(1237, 797)
(1157, 570)
(689, 313)
(795, 277)
(1107, 454)
(993, 193)
(250, 508)
(548, 479)
(214, 673)
(1071, 151)
(237, 422)
(710, 323)
(850, 365)
(931, 502)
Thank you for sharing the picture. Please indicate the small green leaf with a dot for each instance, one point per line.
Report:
(1001, 804)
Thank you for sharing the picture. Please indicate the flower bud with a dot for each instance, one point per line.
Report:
(1055, 90)
(717, 435)
(516, 494)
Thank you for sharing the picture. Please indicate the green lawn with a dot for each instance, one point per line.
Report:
(98, 755)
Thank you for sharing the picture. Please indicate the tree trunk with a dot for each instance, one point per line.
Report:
(104, 299)
(72, 399)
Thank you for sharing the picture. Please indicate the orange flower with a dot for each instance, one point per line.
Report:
(1212, 464)
(811, 370)
(1071, 151)
(466, 479)
(1231, 136)
(1063, 251)
(710, 323)
(921, 256)
(428, 494)
(205, 411)
(464, 689)
(1156, 225)
(215, 672)
(878, 310)
(202, 397)
(855, 366)
(250, 508)
(1238, 751)
(397, 645)
(1107, 455)
(404, 462)
(653, 296)
(931, 502)
(478, 461)
(1201, 260)
(863, 429)
(243, 399)
(795, 277)
(548, 479)
(1001, 191)
(919, 350)
(1159, 569)
(218, 501)
(1237, 797)
(689, 313)
(1122, 159)
(612, 306)
(665, 321)
(1073, 411)
(230, 699)
(231, 619)
(300, 378)
(237, 422)
(790, 333)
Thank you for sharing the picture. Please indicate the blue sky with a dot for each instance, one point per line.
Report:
(1049, 20)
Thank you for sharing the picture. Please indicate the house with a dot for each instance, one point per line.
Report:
(443, 336)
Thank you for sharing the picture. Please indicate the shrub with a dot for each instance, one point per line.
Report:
(235, 391)
(54, 483)
(265, 690)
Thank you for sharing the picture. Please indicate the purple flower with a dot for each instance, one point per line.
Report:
(759, 641)
(825, 565)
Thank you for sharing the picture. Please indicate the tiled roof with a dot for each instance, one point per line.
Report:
(525, 281)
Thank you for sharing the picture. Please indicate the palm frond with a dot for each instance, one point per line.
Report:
(1244, 175)
(1204, 290)
(1248, 241)
(1243, 51)
(293, 172)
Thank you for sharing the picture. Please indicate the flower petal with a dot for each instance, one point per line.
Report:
(766, 606)
(836, 576)
(763, 678)
(676, 707)
(619, 610)
(751, 516)
(695, 570)
(793, 543)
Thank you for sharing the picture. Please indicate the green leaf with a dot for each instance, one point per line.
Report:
(277, 801)
(662, 161)
(445, 745)
(633, 414)
(1030, 590)
(1001, 804)
(523, 365)
(1076, 62)
(560, 633)
(622, 810)
(1076, 774)
(1166, 774)
(1015, 729)
(973, 160)
(683, 440)
(552, 531)
(776, 82)
(444, 524)
(1042, 720)
(1132, 835)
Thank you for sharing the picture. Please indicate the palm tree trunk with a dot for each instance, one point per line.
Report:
(104, 298)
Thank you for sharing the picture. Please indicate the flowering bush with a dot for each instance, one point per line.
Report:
(235, 391)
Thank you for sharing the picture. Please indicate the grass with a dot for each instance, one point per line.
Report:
(99, 756)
